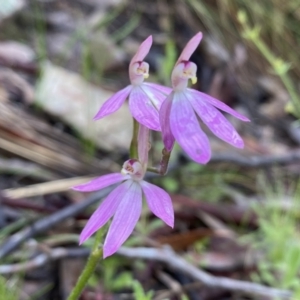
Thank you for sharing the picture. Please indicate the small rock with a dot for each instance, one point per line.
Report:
(68, 96)
(9, 7)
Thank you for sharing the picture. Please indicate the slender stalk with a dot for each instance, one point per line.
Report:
(95, 256)
(133, 152)
(279, 66)
(163, 165)
(283, 75)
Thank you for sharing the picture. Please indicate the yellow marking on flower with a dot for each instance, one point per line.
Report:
(124, 172)
(189, 75)
(129, 168)
(194, 79)
(143, 71)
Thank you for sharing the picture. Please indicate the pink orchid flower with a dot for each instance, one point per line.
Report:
(125, 203)
(145, 99)
(178, 117)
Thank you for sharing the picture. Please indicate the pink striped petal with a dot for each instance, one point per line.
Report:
(187, 131)
(105, 211)
(143, 144)
(142, 109)
(217, 103)
(190, 48)
(161, 88)
(159, 202)
(164, 118)
(101, 182)
(125, 219)
(113, 103)
(155, 96)
(216, 122)
(142, 51)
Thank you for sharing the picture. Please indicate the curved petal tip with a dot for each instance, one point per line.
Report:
(190, 48)
(143, 50)
(109, 251)
(82, 239)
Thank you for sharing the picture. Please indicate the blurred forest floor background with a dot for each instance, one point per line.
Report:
(236, 233)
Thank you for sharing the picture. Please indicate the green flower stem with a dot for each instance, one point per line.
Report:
(276, 65)
(164, 162)
(279, 66)
(133, 152)
(95, 256)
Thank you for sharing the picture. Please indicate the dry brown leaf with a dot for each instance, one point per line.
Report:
(181, 241)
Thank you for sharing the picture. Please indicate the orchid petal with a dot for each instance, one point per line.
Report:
(143, 144)
(113, 103)
(216, 122)
(125, 219)
(161, 88)
(143, 50)
(105, 211)
(164, 118)
(100, 182)
(190, 48)
(142, 109)
(219, 104)
(187, 131)
(159, 202)
(156, 97)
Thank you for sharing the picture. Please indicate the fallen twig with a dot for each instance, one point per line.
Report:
(44, 188)
(27, 169)
(176, 262)
(26, 204)
(174, 286)
(47, 222)
(258, 161)
(41, 259)
(165, 255)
